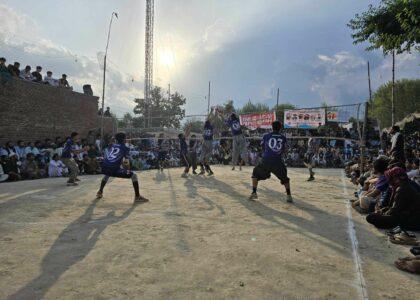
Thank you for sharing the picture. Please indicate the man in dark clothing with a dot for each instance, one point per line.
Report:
(404, 205)
(397, 148)
(14, 69)
(37, 74)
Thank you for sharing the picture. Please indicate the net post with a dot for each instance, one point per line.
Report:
(363, 138)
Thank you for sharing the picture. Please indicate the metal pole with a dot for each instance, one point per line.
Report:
(169, 92)
(103, 82)
(370, 88)
(393, 90)
(208, 99)
(363, 146)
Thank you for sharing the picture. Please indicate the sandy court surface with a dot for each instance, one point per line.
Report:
(198, 238)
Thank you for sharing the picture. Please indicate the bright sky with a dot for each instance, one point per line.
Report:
(246, 48)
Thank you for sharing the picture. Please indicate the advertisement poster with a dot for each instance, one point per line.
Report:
(304, 118)
(254, 121)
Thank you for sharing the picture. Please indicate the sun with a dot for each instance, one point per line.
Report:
(166, 58)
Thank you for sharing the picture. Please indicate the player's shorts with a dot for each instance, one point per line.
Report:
(162, 155)
(206, 150)
(264, 170)
(308, 157)
(120, 172)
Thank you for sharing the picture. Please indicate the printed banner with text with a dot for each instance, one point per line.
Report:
(254, 121)
(304, 118)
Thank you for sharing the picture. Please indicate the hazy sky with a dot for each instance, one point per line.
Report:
(246, 48)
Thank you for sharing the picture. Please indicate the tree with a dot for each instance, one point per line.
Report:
(251, 108)
(163, 112)
(392, 26)
(196, 125)
(125, 121)
(407, 100)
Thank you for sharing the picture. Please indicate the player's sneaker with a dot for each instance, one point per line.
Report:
(311, 178)
(72, 183)
(210, 173)
(289, 199)
(253, 197)
(77, 179)
(99, 195)
(194, 172)
(184, 175)
(140, 199)
(240, 168)
(202, 172)
(233, 168)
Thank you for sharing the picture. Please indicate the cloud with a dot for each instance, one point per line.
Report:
(20, 40)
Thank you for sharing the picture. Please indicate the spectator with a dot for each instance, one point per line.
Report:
(14, 69)
(397, 148)
(20, 150)
(5, 76)
(9, 148)
(48, 79)
(100, 112)
(404, 207)
(37, 74)
(3, 176)
(56, 168)
(26, 74)
(107, 113)
(64, 83)
(11, 167)
(29, 168)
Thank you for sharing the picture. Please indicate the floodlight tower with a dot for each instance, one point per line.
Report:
(148, 66)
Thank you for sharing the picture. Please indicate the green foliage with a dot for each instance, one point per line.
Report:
(126, 121)
(164, 112)
(407, 95)
(251, 108)
(196, 125)
(393, 25)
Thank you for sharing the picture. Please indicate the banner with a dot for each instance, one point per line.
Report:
(338, 116)
(254, 121)
(304, 118)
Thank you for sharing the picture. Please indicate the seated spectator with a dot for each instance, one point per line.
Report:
(20, 150)
(404, 206)
(107, 113)
(413, 170)
(5, 76)
(14, 69)
(29, 168)
(30, 148)
(11, 167)
(88, 166)
(26, 74)
(37, 77)
(9, 148)
(48, 79)
(3, 176)
(56, 167)
(64, 83)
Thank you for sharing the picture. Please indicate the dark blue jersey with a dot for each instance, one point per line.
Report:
(183, 146)
(235, 126)
(68, 147)
(208, 133)
(274, 144)
(115, 155)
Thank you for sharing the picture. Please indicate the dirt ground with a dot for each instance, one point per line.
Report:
(198, 238)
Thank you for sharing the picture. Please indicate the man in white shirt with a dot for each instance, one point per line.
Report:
(26, 74)
(50, 80)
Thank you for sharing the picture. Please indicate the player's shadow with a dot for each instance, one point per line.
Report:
(192, 194)
(321, 227)
(72, 245)
(160, 176)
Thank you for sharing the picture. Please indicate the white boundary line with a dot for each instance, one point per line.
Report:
(361, 284)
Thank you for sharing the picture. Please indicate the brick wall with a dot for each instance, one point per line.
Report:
(30, 111)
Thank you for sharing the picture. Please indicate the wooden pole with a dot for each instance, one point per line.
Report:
(393, 90)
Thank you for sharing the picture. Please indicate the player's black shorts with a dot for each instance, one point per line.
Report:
(264, 170)
(120, 172)
(308, 158)
(184, 160)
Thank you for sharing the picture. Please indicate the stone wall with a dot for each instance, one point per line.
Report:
(31, 111)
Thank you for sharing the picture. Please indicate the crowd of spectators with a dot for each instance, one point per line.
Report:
(13, 71)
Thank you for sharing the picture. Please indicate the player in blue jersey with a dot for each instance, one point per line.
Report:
(206, 148)
(310, 153)
(239, 151)
(69, 150)
(183, 147)
(111, 167)
(274, 146)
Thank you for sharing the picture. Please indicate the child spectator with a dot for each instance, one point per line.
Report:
(14, 69)
(37, 77)
(26, 74)
(56, 167)
(29, 168)
(50, 80)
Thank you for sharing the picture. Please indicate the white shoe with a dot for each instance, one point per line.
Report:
(289, 199)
